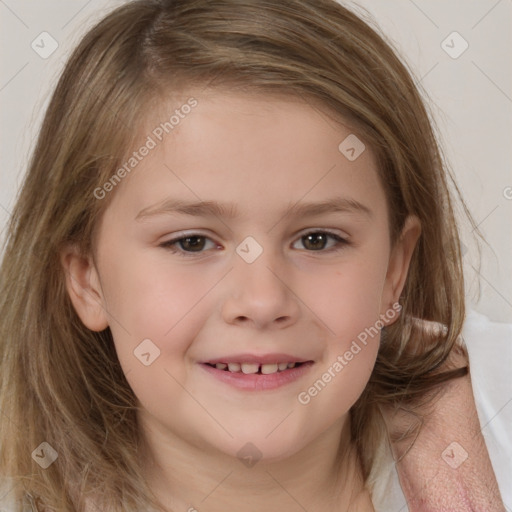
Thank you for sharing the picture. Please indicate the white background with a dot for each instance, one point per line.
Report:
(470, 98)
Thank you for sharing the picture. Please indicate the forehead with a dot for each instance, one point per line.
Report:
(253, 149)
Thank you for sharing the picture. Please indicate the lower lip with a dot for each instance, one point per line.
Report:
(256, 381)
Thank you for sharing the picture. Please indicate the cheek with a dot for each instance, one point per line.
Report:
(348, 302)
(167, 306)
(155, 302)
(347, 361)
(348, 298)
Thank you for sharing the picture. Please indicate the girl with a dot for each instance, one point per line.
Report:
(233, 274)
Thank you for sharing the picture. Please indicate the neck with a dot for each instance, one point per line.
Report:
(317, 478)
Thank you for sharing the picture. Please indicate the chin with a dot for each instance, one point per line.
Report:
(258, 449)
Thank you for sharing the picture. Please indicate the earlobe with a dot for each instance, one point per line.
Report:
(84, 289)
(400, 260)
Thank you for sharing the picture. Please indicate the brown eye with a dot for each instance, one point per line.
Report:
(319, 241)
(315, 241)
(189, 245)
(192, 243)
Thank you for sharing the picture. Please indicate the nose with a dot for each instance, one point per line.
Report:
(260, 294)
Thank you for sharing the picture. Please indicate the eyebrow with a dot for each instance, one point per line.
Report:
(230, 211)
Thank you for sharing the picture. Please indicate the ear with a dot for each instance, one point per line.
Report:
(84, 289)
(398, 264)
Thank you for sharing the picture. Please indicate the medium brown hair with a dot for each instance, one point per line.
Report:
(62, 383)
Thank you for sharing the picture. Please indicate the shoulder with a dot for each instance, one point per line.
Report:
(488, 353)
(489, 346)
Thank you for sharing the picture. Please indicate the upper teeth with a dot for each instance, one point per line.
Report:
(254, 367)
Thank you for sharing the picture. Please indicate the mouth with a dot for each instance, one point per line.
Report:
(257, 373)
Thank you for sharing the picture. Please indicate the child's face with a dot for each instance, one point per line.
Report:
(259, 156)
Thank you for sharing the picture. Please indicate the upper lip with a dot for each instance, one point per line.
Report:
(260, 359)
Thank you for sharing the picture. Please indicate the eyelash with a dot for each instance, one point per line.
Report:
(172, 245)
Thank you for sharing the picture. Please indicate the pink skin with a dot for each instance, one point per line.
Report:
(263, 154)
